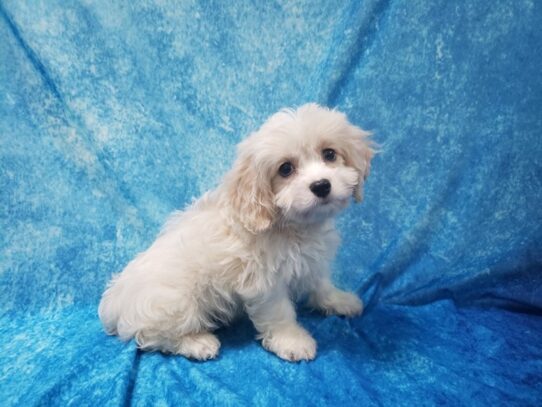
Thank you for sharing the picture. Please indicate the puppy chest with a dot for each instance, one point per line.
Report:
(302, 257)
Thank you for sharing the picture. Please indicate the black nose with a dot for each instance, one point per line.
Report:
(321, 188)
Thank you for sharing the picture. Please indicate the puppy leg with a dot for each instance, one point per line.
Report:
(200, 346)
(332, 301)
(274, 317)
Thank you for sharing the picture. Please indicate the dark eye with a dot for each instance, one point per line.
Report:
(329, 154)
(286, 169)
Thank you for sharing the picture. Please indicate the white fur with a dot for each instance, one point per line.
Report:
(256, 243)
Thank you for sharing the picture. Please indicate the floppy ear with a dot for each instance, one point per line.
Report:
(251, 195)
(358, 152)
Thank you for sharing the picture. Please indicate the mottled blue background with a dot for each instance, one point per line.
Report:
(112, 114)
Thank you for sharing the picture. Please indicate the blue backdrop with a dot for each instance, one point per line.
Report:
(112, 114)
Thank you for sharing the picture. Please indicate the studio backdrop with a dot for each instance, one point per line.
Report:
(115, 113)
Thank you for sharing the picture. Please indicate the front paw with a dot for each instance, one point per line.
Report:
(291, 343)
(340, 303)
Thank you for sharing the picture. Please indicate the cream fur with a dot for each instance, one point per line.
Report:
(256, 243)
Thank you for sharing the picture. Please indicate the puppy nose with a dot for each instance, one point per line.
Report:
(321, 188)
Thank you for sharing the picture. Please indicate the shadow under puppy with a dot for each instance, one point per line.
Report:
(264, 238)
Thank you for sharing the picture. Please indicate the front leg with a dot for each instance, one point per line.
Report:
(274, 317)
(332, 301)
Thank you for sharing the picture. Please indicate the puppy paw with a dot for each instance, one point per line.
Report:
(200, 346)
(341, 303)
(291, 343)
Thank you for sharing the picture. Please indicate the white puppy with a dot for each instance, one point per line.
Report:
(263, 239)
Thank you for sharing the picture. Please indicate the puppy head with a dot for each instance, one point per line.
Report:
(302, 166)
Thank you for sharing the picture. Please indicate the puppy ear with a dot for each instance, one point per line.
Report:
(358, 153)
(251, 195)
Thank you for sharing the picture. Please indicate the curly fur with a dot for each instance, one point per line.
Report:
(256, 243)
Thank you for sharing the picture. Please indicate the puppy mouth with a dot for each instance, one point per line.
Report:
(327, 201)
(326, 206)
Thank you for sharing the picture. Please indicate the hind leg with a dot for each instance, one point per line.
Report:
(200, 346)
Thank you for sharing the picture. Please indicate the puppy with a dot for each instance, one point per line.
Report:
(260, 241)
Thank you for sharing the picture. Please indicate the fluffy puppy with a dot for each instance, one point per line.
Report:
(263, 239)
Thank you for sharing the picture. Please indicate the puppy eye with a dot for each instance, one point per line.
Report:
(329, 154)
(286, 169)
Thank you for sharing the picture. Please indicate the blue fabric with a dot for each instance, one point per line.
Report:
(114, 114)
